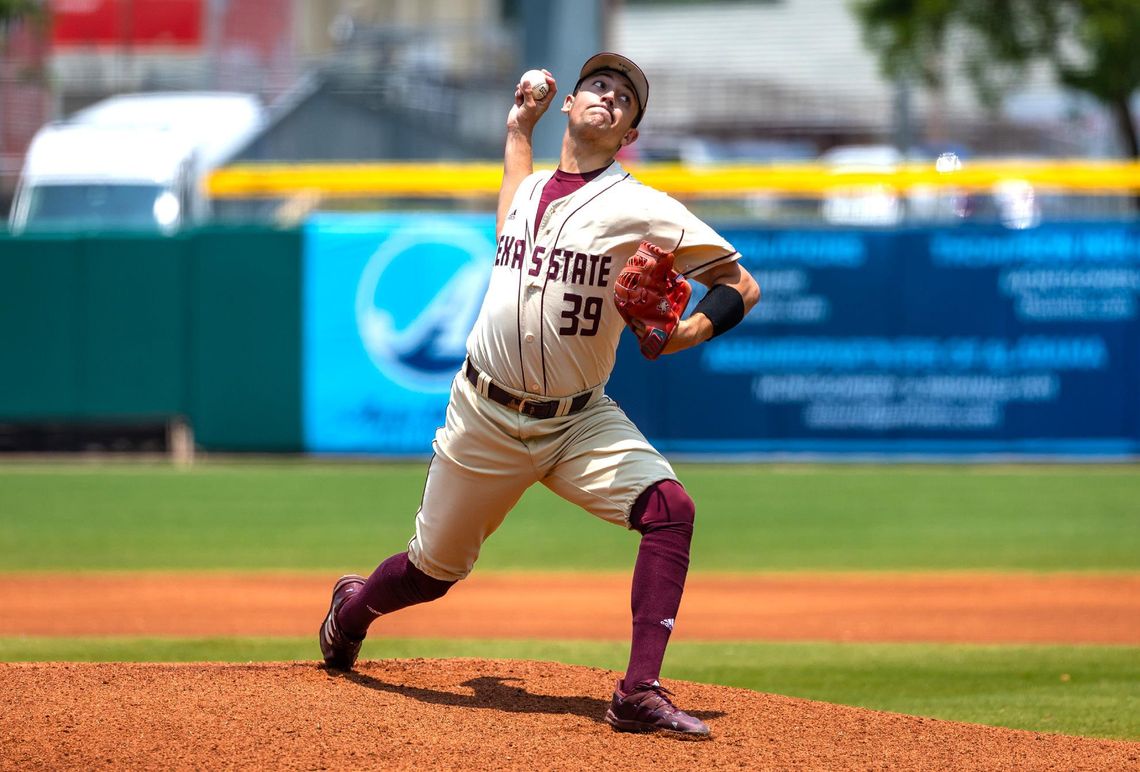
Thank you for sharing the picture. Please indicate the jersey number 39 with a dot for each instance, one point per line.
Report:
(582, 316)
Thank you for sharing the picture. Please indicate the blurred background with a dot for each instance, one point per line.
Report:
(240, 225)
(857, 84)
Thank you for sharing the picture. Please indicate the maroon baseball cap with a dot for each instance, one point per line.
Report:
(608, 60)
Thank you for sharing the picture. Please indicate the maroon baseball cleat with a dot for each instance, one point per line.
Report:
(340, 651)
(646, 708)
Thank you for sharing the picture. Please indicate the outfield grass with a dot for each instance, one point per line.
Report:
(328, 517)
(1090, 690)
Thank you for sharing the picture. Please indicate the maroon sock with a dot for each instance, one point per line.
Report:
(395, 584)
(664, 515)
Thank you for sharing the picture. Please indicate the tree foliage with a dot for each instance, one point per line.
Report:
(1092, 45)
(13, 10)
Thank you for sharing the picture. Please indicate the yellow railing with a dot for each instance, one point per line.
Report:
(457, 179)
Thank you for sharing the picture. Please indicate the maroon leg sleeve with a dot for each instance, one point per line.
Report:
(395, 584)
(664, 515)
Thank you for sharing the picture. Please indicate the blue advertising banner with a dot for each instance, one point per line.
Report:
(968, 340)
(960, 341)
(388, 303)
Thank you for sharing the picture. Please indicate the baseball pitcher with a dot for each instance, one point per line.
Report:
(584, 252)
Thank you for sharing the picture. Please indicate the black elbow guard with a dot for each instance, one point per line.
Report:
(723, 306)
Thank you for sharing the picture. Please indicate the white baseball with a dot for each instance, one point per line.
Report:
(537, 81)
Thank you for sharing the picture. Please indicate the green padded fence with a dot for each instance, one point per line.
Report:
(139, 328)
(245, 342)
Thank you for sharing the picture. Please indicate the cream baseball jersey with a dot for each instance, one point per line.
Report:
(548, 326)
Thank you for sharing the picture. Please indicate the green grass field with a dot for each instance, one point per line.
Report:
(330, 517)
(327, 517)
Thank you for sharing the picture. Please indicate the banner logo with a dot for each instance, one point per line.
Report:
(418, 298)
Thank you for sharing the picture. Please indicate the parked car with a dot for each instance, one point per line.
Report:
(850, 203)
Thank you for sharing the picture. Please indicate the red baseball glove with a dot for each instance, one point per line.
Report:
(651, 296)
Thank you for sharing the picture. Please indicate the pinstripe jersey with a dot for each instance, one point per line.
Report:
(548, 326)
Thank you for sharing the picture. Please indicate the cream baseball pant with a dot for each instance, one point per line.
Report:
(487, 455)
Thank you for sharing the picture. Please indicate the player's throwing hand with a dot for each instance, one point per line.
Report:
(528, 106)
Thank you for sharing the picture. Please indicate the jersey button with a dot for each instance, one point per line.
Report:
(529, 337)
(534, 387)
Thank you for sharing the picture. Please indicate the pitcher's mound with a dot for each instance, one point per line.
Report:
(464, 714)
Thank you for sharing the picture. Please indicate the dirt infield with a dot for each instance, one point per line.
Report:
(466, 714)
(1020, 608)
(480, 714)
